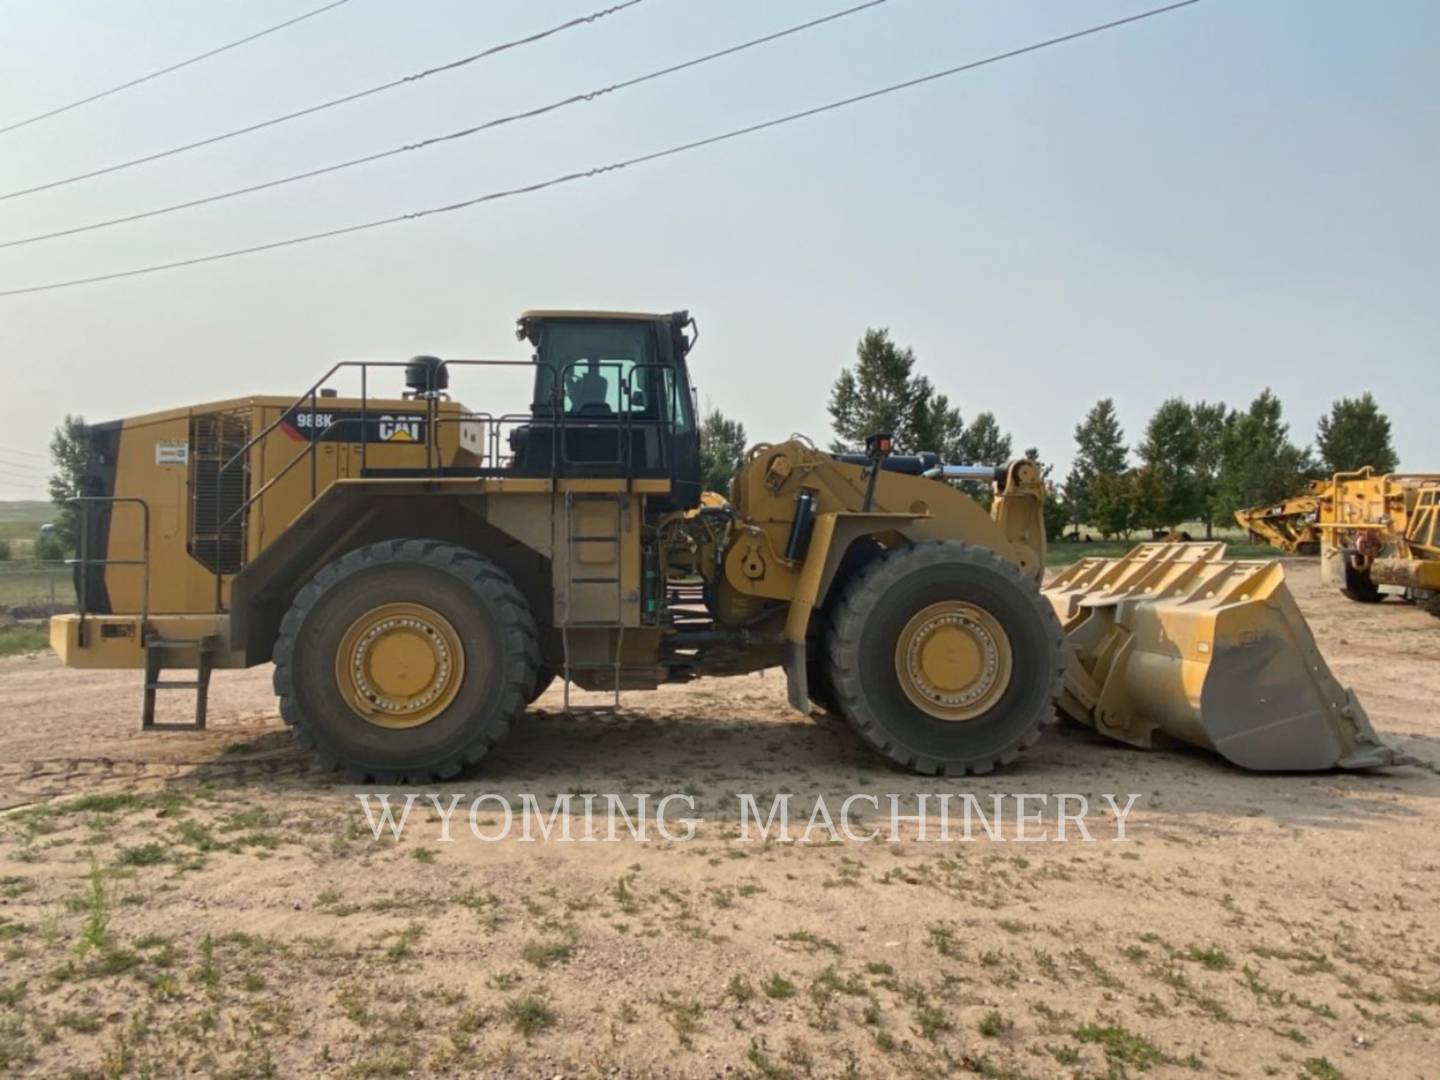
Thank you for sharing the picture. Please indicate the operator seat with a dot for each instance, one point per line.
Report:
(588, 392)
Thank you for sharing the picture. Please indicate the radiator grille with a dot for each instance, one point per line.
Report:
(217, 528)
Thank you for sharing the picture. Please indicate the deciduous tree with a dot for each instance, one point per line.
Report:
(722, 449)
(882, 392)
(1209, 420)
(1259, 463)
(983, 443)
(1099, 451)
(1168, 490)
(1356, 434)
(70, 456)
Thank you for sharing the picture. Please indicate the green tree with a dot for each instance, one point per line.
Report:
(1099, 451)
(1169, 451)
(1259, 463)
(983, 443)
(1112, 503)
(4, 550)
(882, 392)
(1209, 421)
(70, 456)
(722, 449)
(1152, 498)
(1356, 434)
(1075, 496)
(1057, 514)
(1100, 442)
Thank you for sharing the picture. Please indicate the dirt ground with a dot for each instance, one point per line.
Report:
(206, 904)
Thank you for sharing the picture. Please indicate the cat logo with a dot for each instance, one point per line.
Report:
(399, 429)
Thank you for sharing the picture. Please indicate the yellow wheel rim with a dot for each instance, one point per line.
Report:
(400, 665)
(953, 660)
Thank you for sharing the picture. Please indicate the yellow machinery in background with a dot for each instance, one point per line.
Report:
(418, 572)
(1291, 525)
(1382, 529)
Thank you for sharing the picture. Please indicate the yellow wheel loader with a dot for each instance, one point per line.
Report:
(1382, 529)
(418, 572)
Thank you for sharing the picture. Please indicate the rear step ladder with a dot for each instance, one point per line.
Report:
(573, 541)
(155, 649)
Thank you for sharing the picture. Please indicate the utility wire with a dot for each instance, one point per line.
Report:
(173, 67)
(488, 125)
(416, 77)
(586, 174)
(23, 453)
(528, 114)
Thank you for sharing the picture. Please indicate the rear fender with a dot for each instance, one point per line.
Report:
(352, 514)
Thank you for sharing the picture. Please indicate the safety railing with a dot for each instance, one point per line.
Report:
(85, 560)
(1376, 513)
(555, 421)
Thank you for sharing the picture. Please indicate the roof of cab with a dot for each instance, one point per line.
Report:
(553, 313)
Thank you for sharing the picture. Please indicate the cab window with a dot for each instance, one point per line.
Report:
(593, 364)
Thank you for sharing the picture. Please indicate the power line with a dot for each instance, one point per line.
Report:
(173, 67)
(23, 453)
(488, 125)
(417, 76)
(586, 174)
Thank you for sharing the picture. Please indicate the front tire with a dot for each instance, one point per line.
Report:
(405, 660)
(945, 658)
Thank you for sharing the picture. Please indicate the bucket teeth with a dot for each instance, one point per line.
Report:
(1174, 642)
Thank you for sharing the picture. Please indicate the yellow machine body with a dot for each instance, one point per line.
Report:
(1291, 525)
(209, 533)
(1382, 529)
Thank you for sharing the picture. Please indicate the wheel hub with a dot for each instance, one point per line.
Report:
(400, 665)
(953, 660)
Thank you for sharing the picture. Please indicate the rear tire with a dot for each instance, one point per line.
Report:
(926, 605)
(443, 647)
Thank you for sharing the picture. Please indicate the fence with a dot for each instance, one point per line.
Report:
(35, 589)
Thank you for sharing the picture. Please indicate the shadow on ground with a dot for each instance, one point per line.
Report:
(715, 760)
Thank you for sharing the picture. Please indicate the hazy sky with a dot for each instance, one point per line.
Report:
(1236, 195)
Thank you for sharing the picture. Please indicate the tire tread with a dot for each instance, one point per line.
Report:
(843, 652)
(491, 586)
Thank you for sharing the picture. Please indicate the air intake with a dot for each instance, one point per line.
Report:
(217, 493)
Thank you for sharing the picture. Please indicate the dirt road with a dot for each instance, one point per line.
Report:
(207, 904)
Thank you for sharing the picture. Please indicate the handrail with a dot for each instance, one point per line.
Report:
(430, 401)
(85, 562)
(311, 395)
